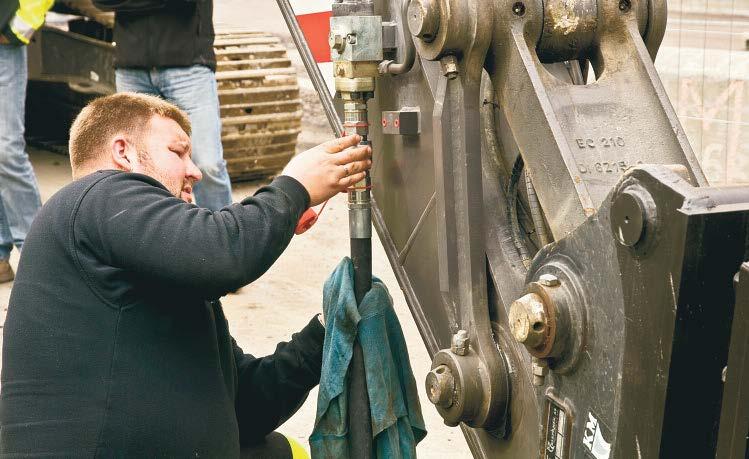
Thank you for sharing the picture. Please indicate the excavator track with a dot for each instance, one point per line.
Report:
(261, 110)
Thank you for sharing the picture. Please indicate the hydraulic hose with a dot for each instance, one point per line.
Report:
(512, 209)
(535, 211)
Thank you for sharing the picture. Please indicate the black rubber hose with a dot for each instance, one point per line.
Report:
(512, 209)
(360, 425)
(535, 211)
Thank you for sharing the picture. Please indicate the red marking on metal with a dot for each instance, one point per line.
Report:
(384, 122)
(397, 122)
(316, 28)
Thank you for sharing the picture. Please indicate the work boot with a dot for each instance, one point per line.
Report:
(6, 272)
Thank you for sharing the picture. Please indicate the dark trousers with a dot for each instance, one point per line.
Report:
(274, 446)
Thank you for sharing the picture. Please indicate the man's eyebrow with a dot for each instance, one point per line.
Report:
(181, 144)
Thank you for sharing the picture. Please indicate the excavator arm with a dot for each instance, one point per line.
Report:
(580, 286)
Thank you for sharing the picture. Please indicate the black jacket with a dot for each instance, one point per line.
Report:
(8, 9)
(162, 33)
(114, 344)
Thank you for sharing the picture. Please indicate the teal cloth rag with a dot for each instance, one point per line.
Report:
(397, 423)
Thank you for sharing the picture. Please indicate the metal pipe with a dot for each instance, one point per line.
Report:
(512, 209)
(360, 424)
(360, 234)
(409, 53)
(359, 420)
(318, 82)
(535, 211)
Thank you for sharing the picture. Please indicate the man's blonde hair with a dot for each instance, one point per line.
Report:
(125, 113)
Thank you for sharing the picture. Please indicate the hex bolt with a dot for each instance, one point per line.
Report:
(548, 280)
(460, 343)
(540, 370)
(351, 39)
(336, 41)
(528, 321)
(423, 19)
(625, 5)
(440, 386)
(449, 66)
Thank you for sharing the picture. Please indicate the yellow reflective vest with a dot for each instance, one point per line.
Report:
(27, 18)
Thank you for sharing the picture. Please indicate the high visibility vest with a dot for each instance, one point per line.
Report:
(28, 17)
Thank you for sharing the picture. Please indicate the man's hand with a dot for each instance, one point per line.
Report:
(330, 168)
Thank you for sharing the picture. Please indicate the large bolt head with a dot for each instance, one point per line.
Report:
(528, 320)
(440, 386)
(423, 19)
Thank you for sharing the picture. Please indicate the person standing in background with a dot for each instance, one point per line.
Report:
(19, 193)
(165, 48)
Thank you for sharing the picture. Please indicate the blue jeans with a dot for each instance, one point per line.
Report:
(19, 193)
(194, 90)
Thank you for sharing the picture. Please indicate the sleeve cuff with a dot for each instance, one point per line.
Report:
(313, 334)
(310, 340)
(294, 189)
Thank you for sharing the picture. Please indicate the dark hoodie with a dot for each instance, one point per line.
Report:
(115, 344)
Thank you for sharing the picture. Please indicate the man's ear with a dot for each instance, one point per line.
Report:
(123, 154)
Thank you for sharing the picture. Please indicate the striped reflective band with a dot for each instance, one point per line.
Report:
(21, 29)
(297, 450)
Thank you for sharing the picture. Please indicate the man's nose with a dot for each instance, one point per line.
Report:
(193, 172)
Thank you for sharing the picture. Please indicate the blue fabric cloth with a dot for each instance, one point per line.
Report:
(19, 194)
(397, 423)
(194, 90)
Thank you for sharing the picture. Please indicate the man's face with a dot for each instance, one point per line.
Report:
(165, 154)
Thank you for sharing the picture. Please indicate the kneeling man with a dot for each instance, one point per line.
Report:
(115, 343)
